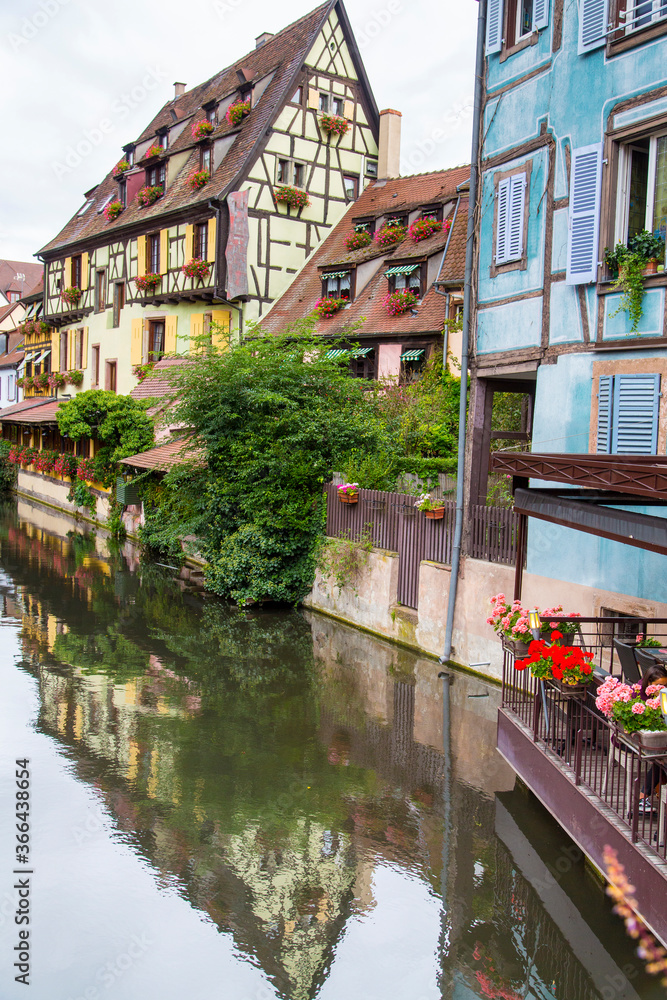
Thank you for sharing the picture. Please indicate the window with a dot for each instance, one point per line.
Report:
(100, 291)
(337, 285)
(299, 174)
(110, 376)
(129, 155)
(63, 351)
(364, 226)
(634, 21)
(297, 96)
(153, 254)
(396, 220)
(75, 277)
(362, 363)
(513, 24)
(642, 188)
(324, 103)
(78, 349)
(510, 219)
(155, 340)
(337, 106)
(122, 193)
(406, 276)
(163, 140)
(14, 296)
(95, 358)
(413, 362)
(351, 185)
(628, 407)
(433, 212)
(371, 168)
(211, 114)
(200, 249)
(206, 158)
(11, 387)
(118, 301)
(290, 172)
(157, 175)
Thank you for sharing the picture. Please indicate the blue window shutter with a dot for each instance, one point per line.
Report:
(635, 414)
(540, 14)
(503, 218)
(605, 393)
(584, 220)
(516, 212)
(494, 26)
(593, 17)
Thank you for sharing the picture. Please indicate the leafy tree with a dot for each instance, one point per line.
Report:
(119, 423)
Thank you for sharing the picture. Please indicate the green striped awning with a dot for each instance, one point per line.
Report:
(413, 355)
(336, 274)
(402, 269)
(337, 352)
(362, 352)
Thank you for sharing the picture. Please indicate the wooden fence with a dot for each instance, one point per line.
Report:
(392, 522)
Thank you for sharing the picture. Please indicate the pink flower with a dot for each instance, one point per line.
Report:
(639, 708)
(652, 702)
(653, 689)
(490, 621)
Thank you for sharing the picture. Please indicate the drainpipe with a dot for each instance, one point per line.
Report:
(465, 334)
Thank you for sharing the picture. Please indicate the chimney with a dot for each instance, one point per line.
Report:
(389, 146)
(179, 90)
(264, 37)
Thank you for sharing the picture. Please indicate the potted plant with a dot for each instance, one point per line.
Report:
(292, 196)
(357, 240)
(651, 248)
(326, 308)
(630, 265)
(399, 302)
(641, 720)
(647, 641)
(569, 668)
(348, 493)
(334, 124)
(197, 269)
(198, 179)
(421, 229)
(147, 282)
(613, 257)
(201, 128)
(75, 377)
(70, 296)
(390, 234)
(149, 194)
(431, 507)
(237, 111)
(113, 210)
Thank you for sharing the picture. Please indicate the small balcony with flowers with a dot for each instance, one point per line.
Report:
(35, 369)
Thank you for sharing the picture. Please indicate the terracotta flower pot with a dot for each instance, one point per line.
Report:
(651, 266)
(348, 497)
(436, 514)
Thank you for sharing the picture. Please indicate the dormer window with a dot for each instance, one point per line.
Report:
(156, 175)
(206, 158)
(396, 220)
(364, 226)
(163, 140)
(433, 212)
(407, 276)
(211, 114)
(337, 285)
(129, 154)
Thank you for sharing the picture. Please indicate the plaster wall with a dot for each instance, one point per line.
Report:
(52, 491)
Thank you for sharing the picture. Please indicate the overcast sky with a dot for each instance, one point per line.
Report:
(91, 74)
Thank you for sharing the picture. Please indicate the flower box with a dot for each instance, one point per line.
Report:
(197, 269)
(648, 739)
(70, 296)
(147, 282)
(348, 493)
(421, 229)
(348, 498)
(121, 167)
(516, 646)
(201, 129)
(358, 240)
(113, 210)
(199, 179)
(334, 124)
(75, 377)
(326, 308)
(399, 302)
(149, 194)
(153, 152)
(436, 514)
(294, 197)
(389, 235)
(237, 111)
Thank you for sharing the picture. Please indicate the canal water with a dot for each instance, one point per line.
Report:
(264, 804)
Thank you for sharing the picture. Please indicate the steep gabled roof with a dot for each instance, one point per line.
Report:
(10, 268)
(394, 196)
(280, 57)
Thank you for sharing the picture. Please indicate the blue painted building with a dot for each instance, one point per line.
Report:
(573, 160)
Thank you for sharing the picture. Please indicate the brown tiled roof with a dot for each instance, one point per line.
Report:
(12, 358)
(377, 200)
(158, 383)
(283, 55)
(9, 268)
(32, 411)
(165, 456)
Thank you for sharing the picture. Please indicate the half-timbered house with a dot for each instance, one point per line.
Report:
(212, 210)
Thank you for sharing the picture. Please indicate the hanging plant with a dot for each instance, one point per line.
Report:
(149, 194)
(153, 151)
(197, 268)
(75, 377)
(34, 327)
(113, 210)
(199, 178)
(71, 296)
(390, 234)
(147, 282)
(334, 124)
(41, 381)
(201, 129)
(359, 239)
(630, 282)
(399, 302)
(421, 229)
(294, 197)
(326, 308)
(237, 111)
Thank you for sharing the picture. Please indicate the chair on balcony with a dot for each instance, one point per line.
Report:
(626, 656)
(645, 660)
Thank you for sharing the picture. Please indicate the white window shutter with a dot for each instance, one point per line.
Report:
(593, 17)
(516, 213)
(582, 247)
(605, 392)
(540, 14)
(494, 26)
(635, 415)
(502, 231)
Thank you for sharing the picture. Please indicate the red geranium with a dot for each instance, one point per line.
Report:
(569, 664)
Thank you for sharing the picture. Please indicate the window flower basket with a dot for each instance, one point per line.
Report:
(86, 470)
(147, 282)
(389, 235)
(57, 380)
(149, 194)
(113, 210)
(348, 493)
(35, 328)
(326, 308)
(24, 382)
(569, 666)
(421, 229)
(141, 372)
(198, 179)
(623, 704)
(510, 621)
(334, 124)
(197, 269)
(237, 111)
(44, 461)
(75, 377)
(358, 240)
(294, 197)
(41, 381)
(65, 465)
(71, 296)
(432, 507)
(154, 151)
(399, 302)
(201, 128)
(121, 167)
(647, 641)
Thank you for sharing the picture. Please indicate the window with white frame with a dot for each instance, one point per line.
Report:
(628, 411)
(337, 285)
(642, 188)
(510, 219)
(512, 23)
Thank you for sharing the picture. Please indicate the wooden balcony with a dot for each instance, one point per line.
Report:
(585, 772)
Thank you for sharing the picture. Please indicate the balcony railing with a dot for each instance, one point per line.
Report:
(638, 14)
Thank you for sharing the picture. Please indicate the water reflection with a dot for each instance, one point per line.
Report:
(285, 775)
